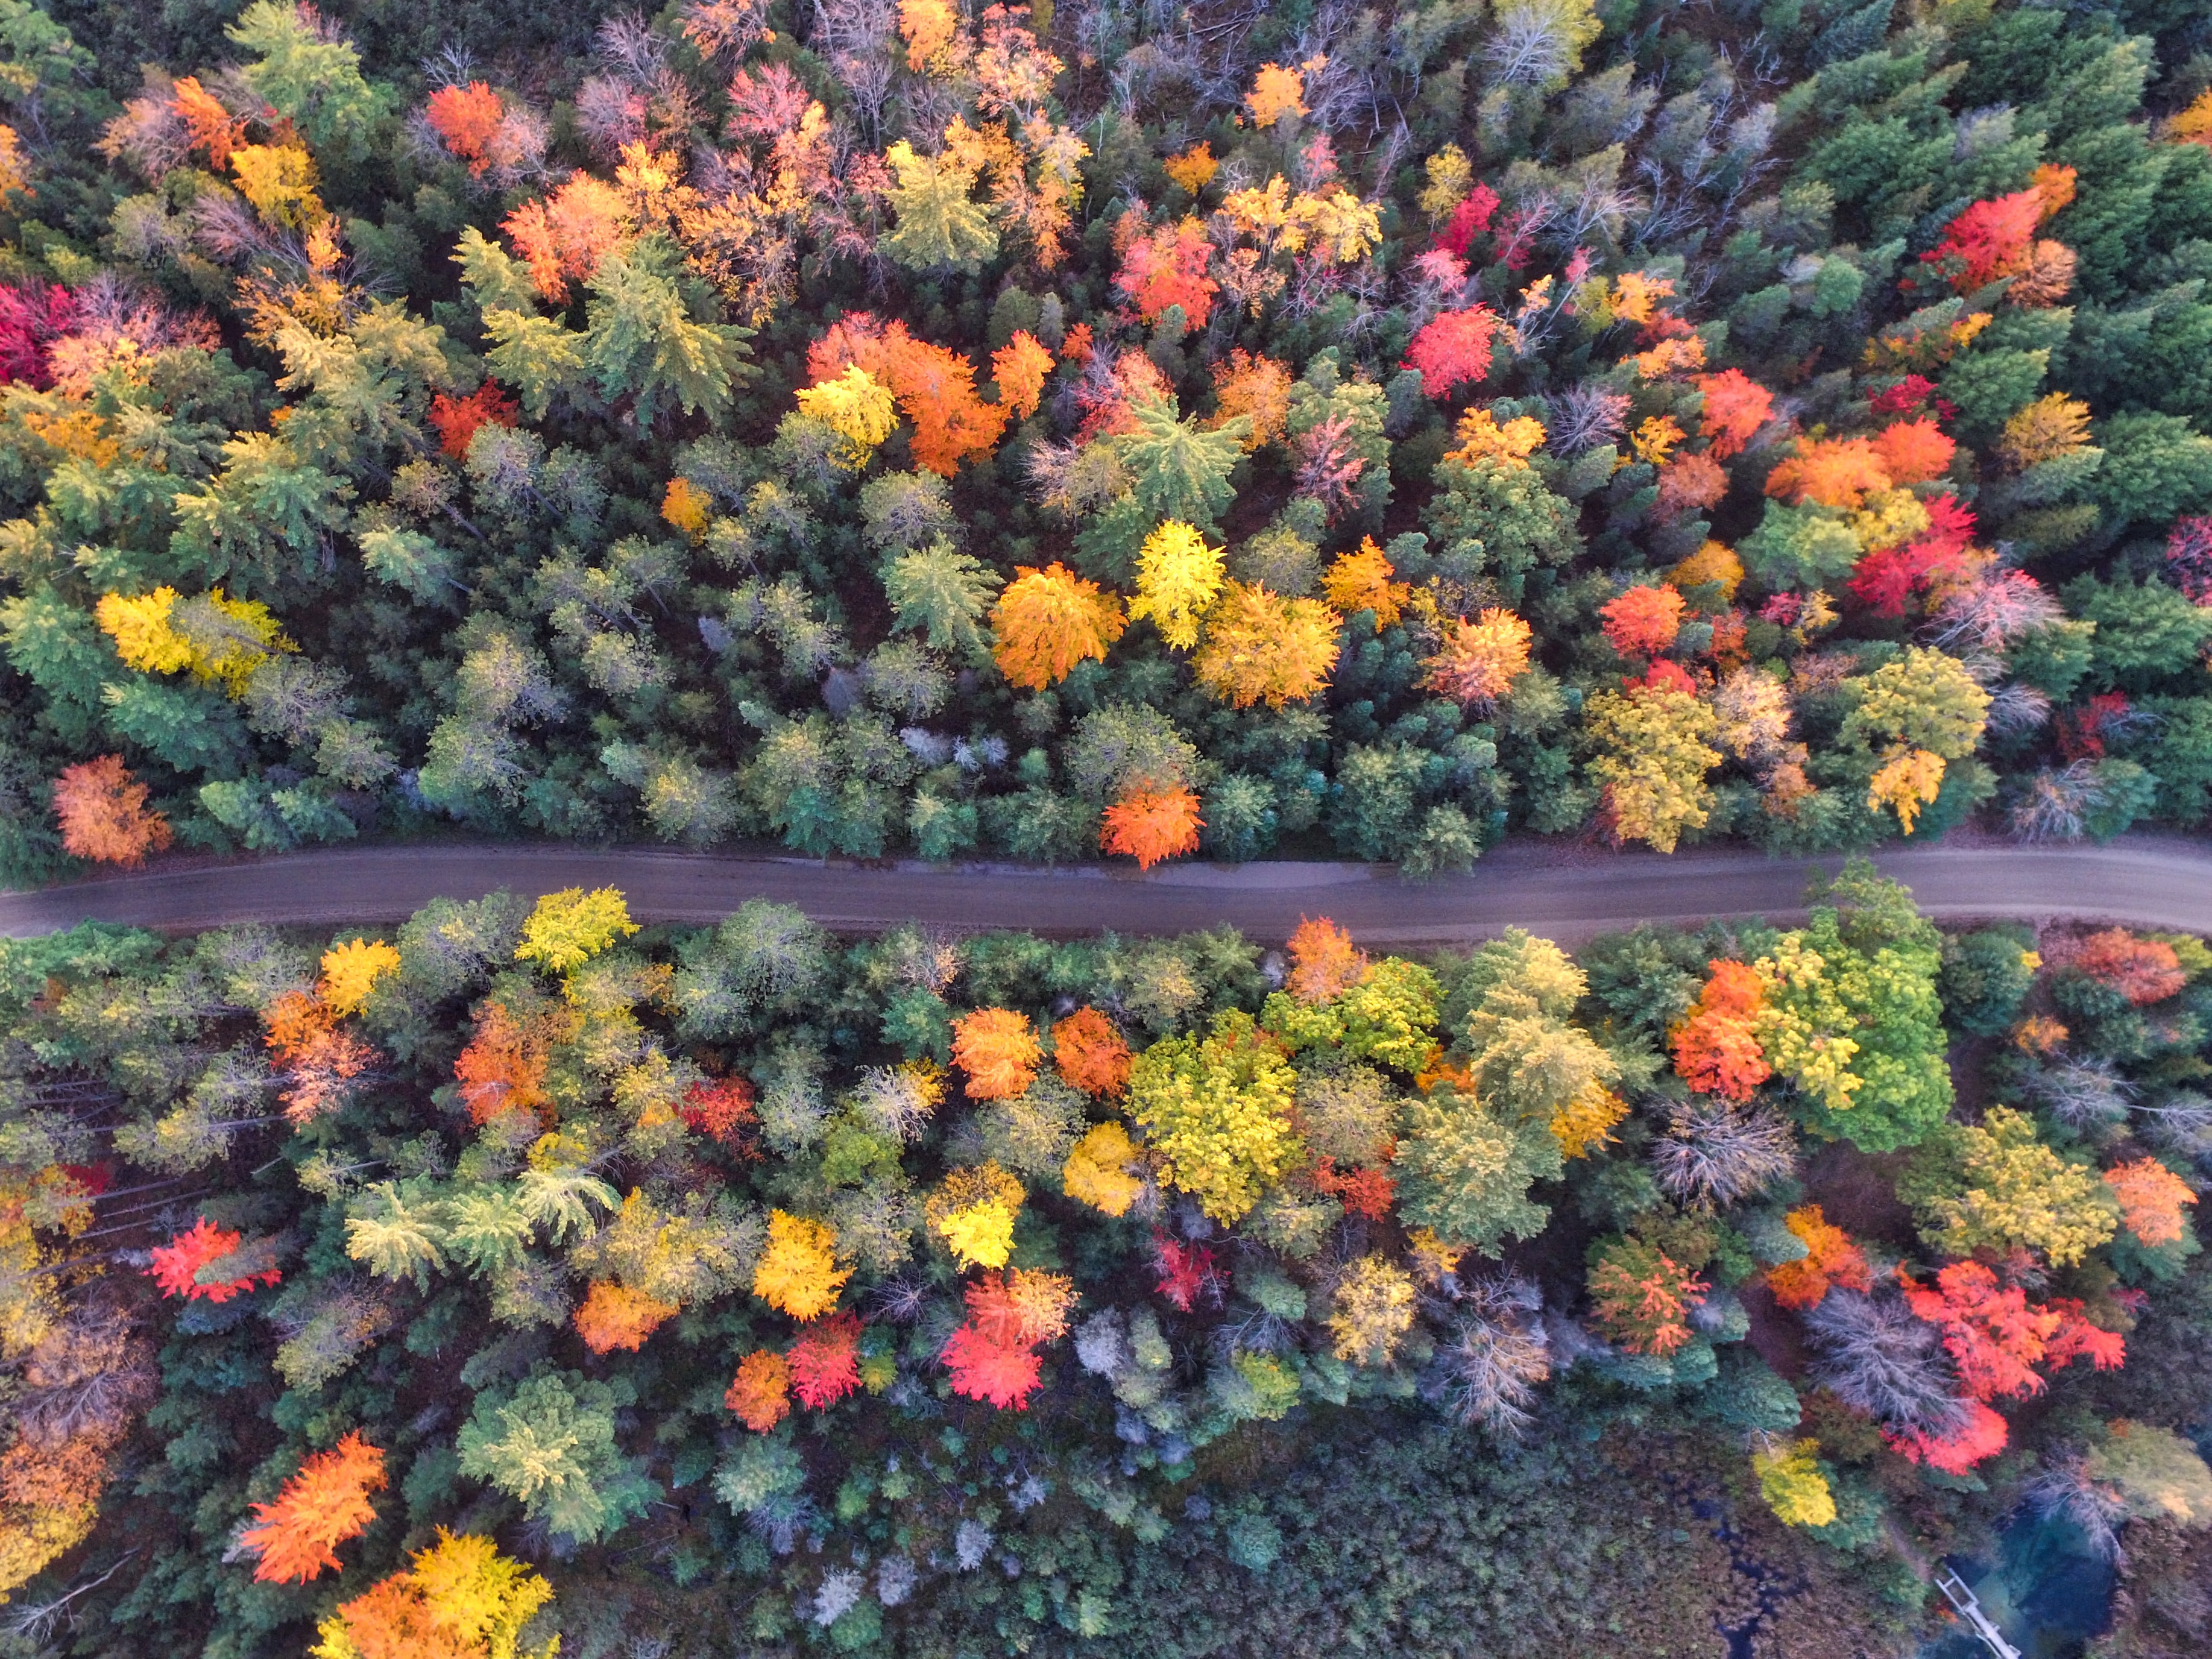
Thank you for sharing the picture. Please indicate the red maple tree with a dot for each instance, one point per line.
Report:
(176, 1265)
(825, 1361)
(1453, 350)
(1735, 407)
(457, 418)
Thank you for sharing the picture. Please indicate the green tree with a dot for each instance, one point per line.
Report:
(1464, 1169)
(644, 343)
(1496, 519)
(943, 594)
(550, 1445)
(311, 78)
(1799, 547)
(2146, 632)
(1178, 469)
(1217, 1109)
(939, 228)
(1996, 1185)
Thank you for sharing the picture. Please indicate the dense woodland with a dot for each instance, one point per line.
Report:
(904, 430)
(522, 1273)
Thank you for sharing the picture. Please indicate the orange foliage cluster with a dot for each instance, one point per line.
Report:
(1715, 1048)
(1020, 367)
(722, 1108)
(1152, 825)
(102, 811)
(2152, 1197)
(1256, 388)
(1324, 962)
(468, 119)
(1831, 471)
(825, 1362)
(997, 1050)
(1361, 581)
(1023, 1306)
(760, 1392)
(503, 1067)
(2143, 970)
(457, 418)
(1166, 267)
(1691, 481)
(1477, 662)
(1913, 452)
(1091, 1053)
(1362, 1191)
(319, 1508)
(320, 1058)
(616, 1316)
(1644, 1297)
(1452, 350)
(562, 237)
(208, 124)
(175, 1267)
(1830, 1258)
(935, 388)
(1048, 621)
(1737, 406)
(1643, 621)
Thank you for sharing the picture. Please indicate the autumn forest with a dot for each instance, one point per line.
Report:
(1124, 432)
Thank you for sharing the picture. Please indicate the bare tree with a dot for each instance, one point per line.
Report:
(1714, 1152)
(1876, 1356)
(1486, 1371)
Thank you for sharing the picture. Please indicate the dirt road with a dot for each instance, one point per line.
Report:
(2138, 880)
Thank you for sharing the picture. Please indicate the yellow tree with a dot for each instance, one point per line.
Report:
(1177, 577)
(1262, 647)
(350, 972)
(1654, 750)
(567, 929)
(1047, 621)
(1217, 1109)
(799, 1272)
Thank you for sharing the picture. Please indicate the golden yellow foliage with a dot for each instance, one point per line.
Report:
(1713, 562)
(1262, 647)
(1177, 577)
(973, 1210)
(1374, 1309)
(799, 1272)
(279, 181)
(221, 641)
(1097, 1171)
(1481, 438)
(2053, 426)
(1586, 1122)
(350, 972)
(1361, 581)
(1194, 168)
(858, 408)
(567, 929)
(1906, 781)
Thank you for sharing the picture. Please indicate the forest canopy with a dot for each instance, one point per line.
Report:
(519, 1273)
(1072, 432)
